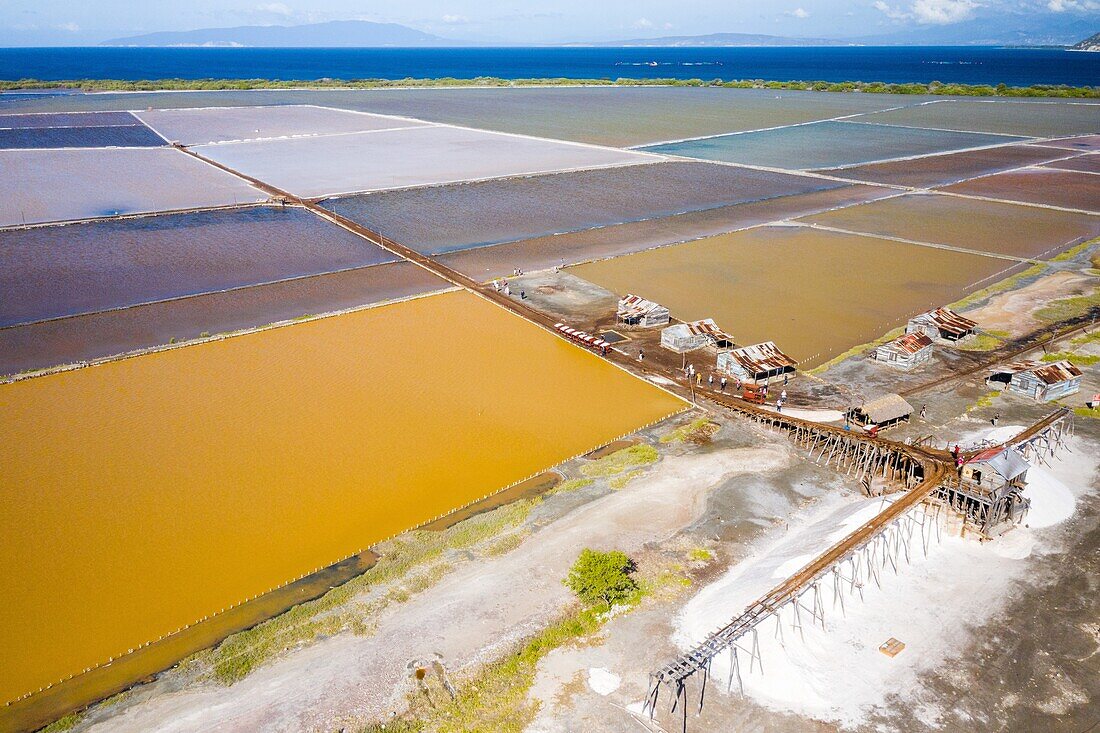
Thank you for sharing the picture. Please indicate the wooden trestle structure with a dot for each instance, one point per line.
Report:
(858, 558)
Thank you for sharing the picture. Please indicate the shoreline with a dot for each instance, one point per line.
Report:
(489, 82)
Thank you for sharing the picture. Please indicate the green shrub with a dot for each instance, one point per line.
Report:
(602, 577)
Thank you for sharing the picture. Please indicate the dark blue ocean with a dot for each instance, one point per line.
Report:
(970, 65)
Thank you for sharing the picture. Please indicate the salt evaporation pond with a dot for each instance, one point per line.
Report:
(937, 170)
(815, 293)
(827, 144)
(328, 165)
(1047, 118)
(986, 226)
(142, 495)
(49, 272)
(440, 219)
(63, 185)
(1068, 189)
(222, 124)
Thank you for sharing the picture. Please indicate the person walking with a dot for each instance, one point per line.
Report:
(783, 396)
(710, 380)
(923, 411)
(641, 355)
(786, 379)
(699, 380)
(779, 405)
(723, 384)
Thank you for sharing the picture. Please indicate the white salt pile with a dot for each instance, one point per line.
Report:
(838, 673)
(602, 681)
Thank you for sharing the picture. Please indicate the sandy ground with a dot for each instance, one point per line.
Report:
(472, 613)
(1011, 311)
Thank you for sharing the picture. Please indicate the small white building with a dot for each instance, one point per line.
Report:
(756, 364)
(636, 311)
(1039, 380)
(905, 352)
(685, 337)
(942, 323)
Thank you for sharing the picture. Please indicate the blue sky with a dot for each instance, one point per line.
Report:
(538, 22)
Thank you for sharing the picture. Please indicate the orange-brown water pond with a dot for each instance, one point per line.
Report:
(144, 494)
(815, 293)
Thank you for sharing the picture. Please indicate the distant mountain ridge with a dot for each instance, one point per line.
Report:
(1006, 29)
(334, 34)
(1092, 43)
(713, 40)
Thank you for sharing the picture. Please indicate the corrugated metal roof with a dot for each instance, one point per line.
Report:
(761, 358)
(910, 343)
(1046, 372)
(950, 321)
(1007, 462)
(1057, 372)
(886, 408)
(632, 305)
(707, 327)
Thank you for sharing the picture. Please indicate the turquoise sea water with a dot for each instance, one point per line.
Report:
(972, 65)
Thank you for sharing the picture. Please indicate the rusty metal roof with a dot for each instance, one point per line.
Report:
(910, 343)
(632, 305)
(1047, 372)
(1008, 462)
(761, 358)
(1057, 372)
(948, 320)
(707, 327)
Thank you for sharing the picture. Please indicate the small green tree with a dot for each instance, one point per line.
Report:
(602, 577)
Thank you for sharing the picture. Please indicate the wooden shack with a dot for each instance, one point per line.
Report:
(1039, 380)
(636, 311)
(756, 364)
(942, 323)
(884, 412)
(685, 337)
(988, 489)
(905, 352)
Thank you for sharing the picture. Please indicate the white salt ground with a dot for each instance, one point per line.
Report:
(838, 674)
(602, 681)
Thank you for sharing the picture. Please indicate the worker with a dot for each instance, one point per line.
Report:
(641, 355)
(786, 379)
(723, 384)
(779, 405)
(523, 295)
(699, 380)
(923, 411)
(710, 380)
(955, 452)
(995, 419)
(783, 396)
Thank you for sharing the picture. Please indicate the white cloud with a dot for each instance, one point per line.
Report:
(455, 19)
(643, 23)
(1061, 6)
(942, 12)
(275, 8)
(934, 12)
(798, 13)
(70, 27)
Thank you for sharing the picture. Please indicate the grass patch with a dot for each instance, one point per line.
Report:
(1072, 358)
(985, 400)
(1067, 308)
(621, 461)
(700, 554)
(1072, 252)
(1095, 259)
(67, 722)
(507, 543)
(573, 484)
(856, 350)
(333, 612)
(1088, 338)
(1000, 286)
(867, 87)
(984, 341)
(1093, 412)
(620, 482)
(696, 431)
